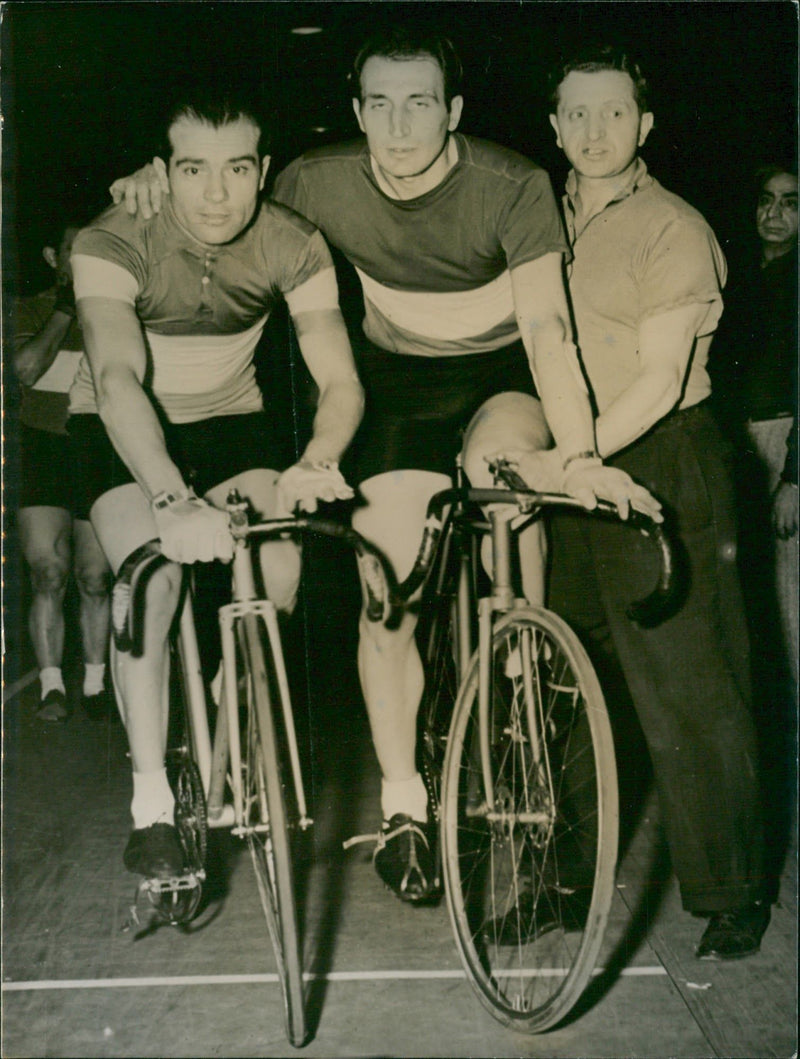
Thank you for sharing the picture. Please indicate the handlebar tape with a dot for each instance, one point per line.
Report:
(128, 596)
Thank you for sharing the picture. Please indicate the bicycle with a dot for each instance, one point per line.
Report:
(516, 750)
(268, 802)
(248, 777)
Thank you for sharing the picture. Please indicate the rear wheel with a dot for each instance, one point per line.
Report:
(270, 822)
(529, 871)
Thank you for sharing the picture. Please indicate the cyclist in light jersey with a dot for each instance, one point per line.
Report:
(166, 412)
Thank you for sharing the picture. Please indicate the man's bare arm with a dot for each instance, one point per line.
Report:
(33, 356)
(116, 353)
(325, 346)
(542, 314)
(666, 343)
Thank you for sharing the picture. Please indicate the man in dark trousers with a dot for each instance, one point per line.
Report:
(645, 282)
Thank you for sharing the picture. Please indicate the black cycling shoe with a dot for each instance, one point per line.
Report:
(53, 708)
(154, 851)
(99, 705)
(404, 859)
(734, 934)
(526, 921)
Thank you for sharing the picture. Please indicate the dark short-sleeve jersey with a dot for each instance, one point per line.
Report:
(435, 269)
(44, 405)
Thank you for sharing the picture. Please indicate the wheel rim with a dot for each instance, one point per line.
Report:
(530, 878)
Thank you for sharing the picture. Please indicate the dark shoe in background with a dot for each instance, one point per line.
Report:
(734, 934)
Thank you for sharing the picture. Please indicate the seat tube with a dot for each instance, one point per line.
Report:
(485, 612)
(463, 616)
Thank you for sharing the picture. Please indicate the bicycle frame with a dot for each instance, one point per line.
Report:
(221, 763)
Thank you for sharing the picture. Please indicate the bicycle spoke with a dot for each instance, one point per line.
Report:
(522, 873)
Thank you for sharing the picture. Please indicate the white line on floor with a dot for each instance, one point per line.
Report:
(261, 979)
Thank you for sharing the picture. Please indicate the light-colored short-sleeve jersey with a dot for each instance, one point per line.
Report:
(644, 254)
(203, 308)
(435, 269)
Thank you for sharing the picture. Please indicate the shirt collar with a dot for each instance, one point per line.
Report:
(636, 179)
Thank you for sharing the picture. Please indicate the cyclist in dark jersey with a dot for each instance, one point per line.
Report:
(459, 248)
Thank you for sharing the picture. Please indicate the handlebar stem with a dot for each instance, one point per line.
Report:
(502, 591)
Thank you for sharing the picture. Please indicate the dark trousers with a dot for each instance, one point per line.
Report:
(689, 677)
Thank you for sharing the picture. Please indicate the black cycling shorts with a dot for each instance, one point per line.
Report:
(417, 408)
(206, 453)
(46, 471)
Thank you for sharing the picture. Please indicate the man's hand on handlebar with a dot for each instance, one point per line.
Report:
(191, 530)
(143, 190)
(586, 480)
(306, 482)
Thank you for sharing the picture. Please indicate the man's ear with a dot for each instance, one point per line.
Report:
(645, 125)
(50, 256)
(357, 112)
(554, 123)
(264, 168)
(456, 106)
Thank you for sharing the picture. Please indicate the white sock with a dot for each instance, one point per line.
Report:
(153, 800)
(405, 796)
(93, 677)
(51, 678)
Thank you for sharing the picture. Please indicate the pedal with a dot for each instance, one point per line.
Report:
(175, 898)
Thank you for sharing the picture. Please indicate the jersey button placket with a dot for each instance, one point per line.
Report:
(205, 285)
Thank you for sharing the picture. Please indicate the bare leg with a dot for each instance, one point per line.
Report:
(280, 560)
(45, 534)
(510, 421)
(123, 521)
(93, 575)
(388, 660)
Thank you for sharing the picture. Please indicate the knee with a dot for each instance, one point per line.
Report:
(280, 565)
(162, 597)
(380, 640)
(94, 582)
(509, 421)
(49, 575)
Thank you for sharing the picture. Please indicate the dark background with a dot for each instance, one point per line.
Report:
(83, 85)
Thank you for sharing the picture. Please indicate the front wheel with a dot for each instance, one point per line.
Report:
(269, 827)
(529, 864)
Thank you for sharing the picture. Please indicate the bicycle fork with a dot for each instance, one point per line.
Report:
(246, 603)
(501, 601)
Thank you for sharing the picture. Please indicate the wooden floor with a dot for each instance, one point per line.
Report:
(78, 980)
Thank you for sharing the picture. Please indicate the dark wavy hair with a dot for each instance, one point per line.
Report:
(592, 59)
(409, 43)
(215, 108)
(765, 173)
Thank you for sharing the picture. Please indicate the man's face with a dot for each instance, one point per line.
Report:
(776, 213)
(597, 122)
(215, 177)
(403, 114)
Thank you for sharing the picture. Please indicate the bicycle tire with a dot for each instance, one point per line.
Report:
(438, 647)
(191, 819)
(270, 849)
(529, 899)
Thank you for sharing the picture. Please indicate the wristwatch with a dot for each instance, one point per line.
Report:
(166, 498)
